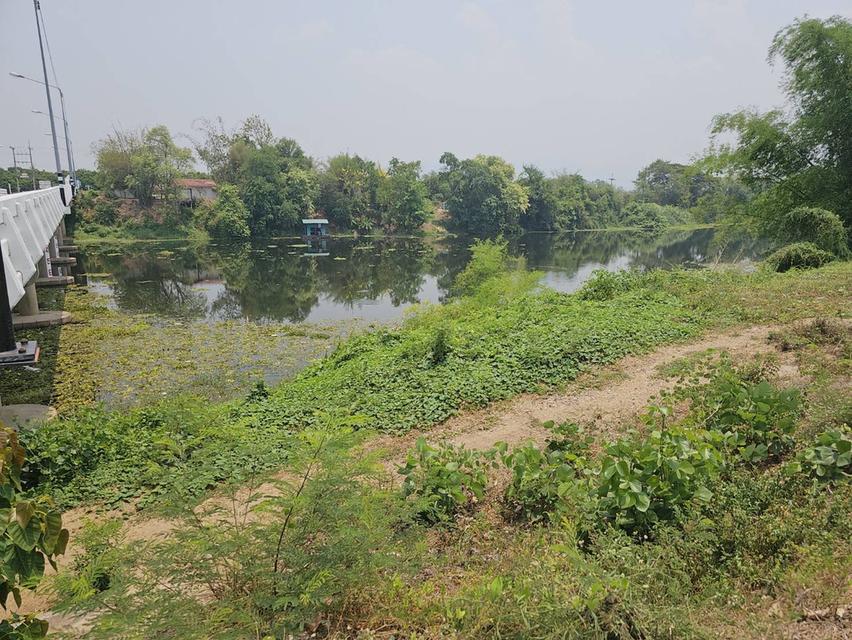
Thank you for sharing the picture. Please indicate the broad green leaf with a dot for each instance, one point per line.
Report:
(24, 510)
(25, 538)
(704, 494)
(53, 527)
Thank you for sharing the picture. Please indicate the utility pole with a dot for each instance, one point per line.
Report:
(15, 165)
(32, 166)
(47, 91)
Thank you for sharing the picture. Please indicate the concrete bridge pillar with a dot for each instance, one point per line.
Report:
(28, 305)
(53, 248)
(44, 266)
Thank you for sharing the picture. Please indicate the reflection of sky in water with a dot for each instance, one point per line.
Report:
(568, 282)
(361, 280)
(381, 309)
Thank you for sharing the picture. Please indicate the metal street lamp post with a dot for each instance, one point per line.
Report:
(47, 91)
(72, 165)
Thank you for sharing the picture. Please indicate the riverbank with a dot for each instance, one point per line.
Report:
(507, 339)
(734, 564)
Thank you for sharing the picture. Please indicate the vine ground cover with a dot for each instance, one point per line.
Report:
(507, 338)
(362, 559)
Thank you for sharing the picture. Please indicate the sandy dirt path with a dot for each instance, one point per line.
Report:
(604, 400)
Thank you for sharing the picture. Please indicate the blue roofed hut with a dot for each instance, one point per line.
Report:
(315, 227)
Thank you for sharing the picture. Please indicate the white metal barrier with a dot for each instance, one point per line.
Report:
(28, 222)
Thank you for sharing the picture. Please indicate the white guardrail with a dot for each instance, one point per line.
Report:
(28, 221)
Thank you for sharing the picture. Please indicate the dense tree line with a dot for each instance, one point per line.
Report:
(779, 161)
(279, 184)
(268, 184)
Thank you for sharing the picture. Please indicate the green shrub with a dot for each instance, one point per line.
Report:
(829, 459)
(800, 255)
(544, 483)
(650, 216)
(605, 285)
(645, 481)
(440, 347)
(268, 562)
(818, 226)
(489, 259)
(756, 419)
(93, 569)
(227, 216)
(445, 479)
(31, 533)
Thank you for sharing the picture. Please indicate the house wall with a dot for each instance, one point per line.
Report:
(198, 193)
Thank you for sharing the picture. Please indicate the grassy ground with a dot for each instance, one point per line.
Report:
(720, 524)
(523, 543)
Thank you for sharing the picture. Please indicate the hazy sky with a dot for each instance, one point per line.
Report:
(599, 87)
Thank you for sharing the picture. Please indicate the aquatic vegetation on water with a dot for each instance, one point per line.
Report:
(126, 359)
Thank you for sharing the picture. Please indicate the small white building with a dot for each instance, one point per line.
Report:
(315, 227)
(196, 189)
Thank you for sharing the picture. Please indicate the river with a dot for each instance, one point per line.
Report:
(359, 279)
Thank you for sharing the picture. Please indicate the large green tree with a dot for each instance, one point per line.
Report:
(482, 194)
(146, 162)
(568, 201)
(803, 154)
(276, 179)
(403, 199)
(348, 192)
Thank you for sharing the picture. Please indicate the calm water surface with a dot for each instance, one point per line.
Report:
(366, 279)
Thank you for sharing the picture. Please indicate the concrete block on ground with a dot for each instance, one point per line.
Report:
(55, 281)
(25, 415)
(41, 319)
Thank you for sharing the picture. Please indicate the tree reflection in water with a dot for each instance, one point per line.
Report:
(372, 278)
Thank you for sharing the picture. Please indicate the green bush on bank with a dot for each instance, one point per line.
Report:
(227, 216)
(800, 255)
(818, 226)
(651, 216)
